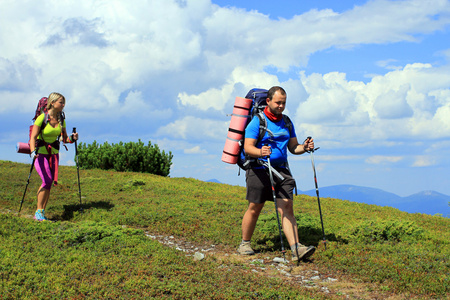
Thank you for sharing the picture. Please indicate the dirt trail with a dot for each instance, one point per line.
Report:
(305, 274)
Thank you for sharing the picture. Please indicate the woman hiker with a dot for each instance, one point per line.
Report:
(44, 145)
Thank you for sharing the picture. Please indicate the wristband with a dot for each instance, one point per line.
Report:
(70, 139)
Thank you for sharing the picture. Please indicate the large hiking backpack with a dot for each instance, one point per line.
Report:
(40, 109)
(259, 102)
(245, 109)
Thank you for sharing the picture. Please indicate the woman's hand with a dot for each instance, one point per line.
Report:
(33, 154)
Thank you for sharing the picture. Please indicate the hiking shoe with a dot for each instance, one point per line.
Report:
(245, 249)
(303, 252)
(39, 216)
(43, 214)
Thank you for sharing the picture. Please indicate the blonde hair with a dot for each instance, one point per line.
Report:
(53, 97)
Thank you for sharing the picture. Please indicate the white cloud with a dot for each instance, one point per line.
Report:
(16, 74)
(375, 22)
(407, 103)
(96, 52)
(192, 128)
(392, 104)
(176, 66)
(423, 161)
(105, 48)
(213, 98)
(446, 53)
(340, 157)
(439, 146)
(388, 64)
(216, 98)
(195, 150)
(332, 99)
(380, 159)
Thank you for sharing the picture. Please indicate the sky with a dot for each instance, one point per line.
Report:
(369, 80)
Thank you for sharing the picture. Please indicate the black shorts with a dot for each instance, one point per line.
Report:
(259, 187)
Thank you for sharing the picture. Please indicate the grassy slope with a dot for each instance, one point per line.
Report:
(402, 253)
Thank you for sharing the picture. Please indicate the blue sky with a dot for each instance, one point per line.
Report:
(369, 80)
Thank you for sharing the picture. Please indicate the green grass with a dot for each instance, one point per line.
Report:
(96, 260)
(91, 254)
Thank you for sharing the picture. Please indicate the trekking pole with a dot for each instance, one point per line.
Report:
(74, 130)
(276, 207)
(317, 191)
(28, 181)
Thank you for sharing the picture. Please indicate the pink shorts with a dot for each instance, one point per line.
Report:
(46, 166)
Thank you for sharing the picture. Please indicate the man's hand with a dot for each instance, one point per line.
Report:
(265, 151)
(308, 144)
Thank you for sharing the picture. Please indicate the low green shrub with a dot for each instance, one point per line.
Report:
(89, 260)
(402, 254)
(125, 157)
(384, 230)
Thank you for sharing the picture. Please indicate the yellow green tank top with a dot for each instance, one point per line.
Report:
(49, 134)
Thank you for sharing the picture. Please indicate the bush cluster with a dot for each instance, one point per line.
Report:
(125, 157)
(385, 230)
(95, 260)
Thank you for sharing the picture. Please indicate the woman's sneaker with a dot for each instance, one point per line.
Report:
(43, 214)
(39, 215)
(245, 249)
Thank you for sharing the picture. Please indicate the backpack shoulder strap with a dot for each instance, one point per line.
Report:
(288, 123)
(40, 139)
(45, 121)
(262, 126)
(60, 137)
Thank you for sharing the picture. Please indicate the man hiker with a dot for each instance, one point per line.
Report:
(275, 142)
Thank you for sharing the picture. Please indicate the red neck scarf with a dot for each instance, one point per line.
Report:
(272, 117)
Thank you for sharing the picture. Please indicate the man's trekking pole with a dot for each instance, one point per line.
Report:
(276, 207)
(74, 130)
(317, 190)
(28, 181)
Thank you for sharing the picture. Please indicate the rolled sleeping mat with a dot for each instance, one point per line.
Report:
(230, 153)
(23, 148)
(236, 131)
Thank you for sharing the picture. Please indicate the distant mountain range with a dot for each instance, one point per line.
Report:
(213, 180)
(426, 202)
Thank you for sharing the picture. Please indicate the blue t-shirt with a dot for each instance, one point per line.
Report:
(278, 142)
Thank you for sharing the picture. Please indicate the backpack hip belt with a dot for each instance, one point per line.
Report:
(41, 143)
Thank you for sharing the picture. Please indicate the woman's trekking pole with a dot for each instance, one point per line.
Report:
(317, 191)
(276, 208)
(28, 181)
(78, 169)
